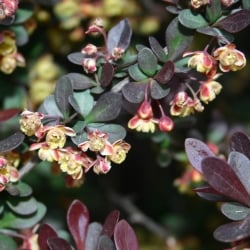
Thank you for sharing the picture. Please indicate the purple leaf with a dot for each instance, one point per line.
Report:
(235, 22)
(45, 232)
(57, 243)
(105, 243)
(8, 113)
(234, 231)
(11, 142)
(223, 179)
(107, 74)
(157, 49)
(124, 237)
(78, 221)
(110, 223)
(93, 235)
(240, 142)
(208, 193)
(166, 73)
(134, 92)
(196, 151)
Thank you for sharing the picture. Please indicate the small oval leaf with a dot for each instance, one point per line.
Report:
(45, 232)
(8, 114)
(11, 142)
(134, 92)
(147, 61)
(235, 211)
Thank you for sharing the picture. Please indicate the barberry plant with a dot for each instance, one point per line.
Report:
(118, 87)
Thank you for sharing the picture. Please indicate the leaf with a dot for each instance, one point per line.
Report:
(105, 243)
(78, 221)
(240, 142)
(157, 49)
(223, 179)
(76, 57)
(82, 102)
(7, 243)
(93, 234)
(213, 10)
(107, 108)
(119, 36)
(50, 107)
(62, 92)
(235, 211)
(235, 22)
(80, 81)
(45, 232)
(22, 36)
(136, 74)
(208, 193)
(166, 73)
(23, 13)
(191, 20)
(196, 151)
(134, 92)
(107, 74)
(241, 166)
(57, 243)
(8, 114)
(23, 189)
(158, 91)
(11, 142)
(246, 4)
(178, 39)
(124, 237)
(110, 223)
(147, 61)
(234, 231)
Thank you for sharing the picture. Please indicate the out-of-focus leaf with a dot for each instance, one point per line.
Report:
(213, 10)
(157, 49)
(233, 231)
(119, 36)
(147, 61)
(82, 102)
(235, 22)
(24, 12)
(80, 81)
(240, 142)
(22, 207)
(76, 57)
(23, 189)
(241, 166)
(62, 92)
(57, 243)
(222, 178)
(7, 243)
(208, 193)
(107, 74)
(93, 234)
(235, 211)
(110, 223)
(22, 35)
(246, 4)
(50, 107)
(134, 92)
(158, 91)
(136, 74)
(196, 151)
(45, 232)
(178, 39)
(105, 243)
(8, 113)
(107, 108)
(166, 73)
(125, 237)
(11, 142)
(78, 221)
(191, 20)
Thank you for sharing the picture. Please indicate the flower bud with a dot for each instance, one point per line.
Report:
(89, 65)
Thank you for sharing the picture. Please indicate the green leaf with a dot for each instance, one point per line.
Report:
(246, 4)
(213, 10)
(147, 61)
(235, 211)
(23, 13)
(178, 39)
(7, 243)
(80, 81)
(82, 102)
(76, 57)
(106, 108)
(50, 107)
(191, 20)
(157, 49)
(62, 92)
(22, 35)
(158, 91)
(136, 74)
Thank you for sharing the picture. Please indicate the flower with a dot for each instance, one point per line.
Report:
(209, 90)
(198, 3)
(165, 123)
(101, 165)
(89, 65)
(89, 50)
(8, 8)
(30, 122)
(229, 58)
(202, 62)
(117, 53)
(120, 150)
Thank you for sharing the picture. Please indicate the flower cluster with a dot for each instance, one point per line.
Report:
(196, 4)
(10, 58)
(226, 58)
(8, 8)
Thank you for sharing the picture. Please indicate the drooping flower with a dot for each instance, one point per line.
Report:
(89, 65)
(209, 90)
(165, 123)
(102, 165)
(230, 58)
(198, 3)
(120, 150)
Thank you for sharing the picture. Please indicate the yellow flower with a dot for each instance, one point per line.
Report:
(7, 43)
(209, 90)
(198, 3)
(120, 150)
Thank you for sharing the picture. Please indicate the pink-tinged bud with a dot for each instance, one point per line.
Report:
(228, 3)
(89, 49)
(209, 90)
(145, 110)
(89, 65)
(117, 53)
(198, 3)
(3, 162)
(102, 165)
(8, 8)
(230, 58)
(166, 124)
